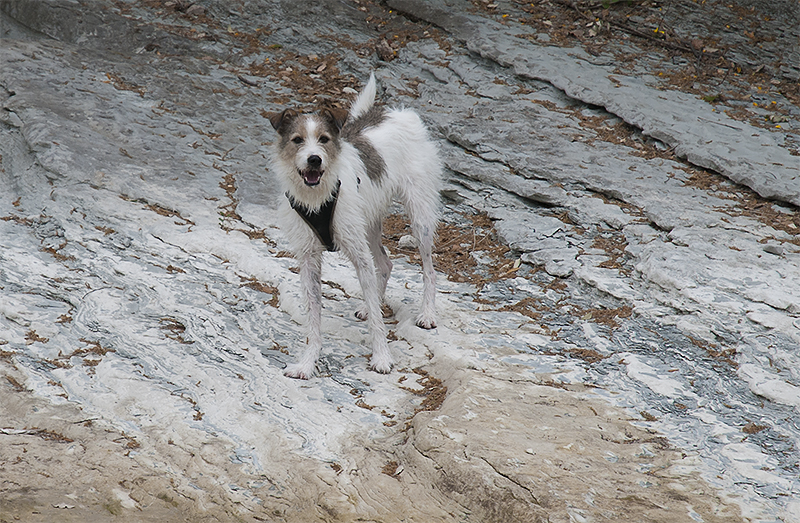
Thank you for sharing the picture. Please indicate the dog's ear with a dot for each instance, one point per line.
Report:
(281, 120)
(335, 116)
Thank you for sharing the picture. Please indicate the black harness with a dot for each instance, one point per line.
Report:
(320, 221)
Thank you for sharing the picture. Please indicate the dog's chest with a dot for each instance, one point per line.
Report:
(320, 221)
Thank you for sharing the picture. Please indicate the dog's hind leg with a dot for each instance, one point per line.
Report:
(427, 315)
(421, 203)
(310, 281)
(381, 360)
(383, 264)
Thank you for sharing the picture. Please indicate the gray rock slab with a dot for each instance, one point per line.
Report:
(142, 280)
(698, 132)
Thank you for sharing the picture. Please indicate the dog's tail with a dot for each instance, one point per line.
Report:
(364, 100)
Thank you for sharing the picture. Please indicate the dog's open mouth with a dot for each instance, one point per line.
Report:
(311, 177)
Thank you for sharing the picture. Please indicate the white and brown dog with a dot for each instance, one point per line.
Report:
(341, 171)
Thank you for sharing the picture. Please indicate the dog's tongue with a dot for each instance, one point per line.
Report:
(312, 176)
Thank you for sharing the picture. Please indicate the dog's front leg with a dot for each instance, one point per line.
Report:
(310, 281)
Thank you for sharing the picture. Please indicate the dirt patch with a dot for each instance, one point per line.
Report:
(614, 244)
(718, 352)
(727, 52)
(254, 284)
(119, 83)
(588, 355)
(529, 307)
(607, 317)
(454, 248)
(174, 329)
(311, 78)
(748, 203)
(159, 209)
(433, 391)
(230, 220)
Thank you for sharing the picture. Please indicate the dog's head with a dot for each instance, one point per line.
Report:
(309, 142)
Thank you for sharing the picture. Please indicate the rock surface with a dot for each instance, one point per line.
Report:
(618, 305)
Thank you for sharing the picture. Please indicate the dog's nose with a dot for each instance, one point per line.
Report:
(314, 161)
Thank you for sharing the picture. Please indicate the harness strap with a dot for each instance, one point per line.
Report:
(320, 221)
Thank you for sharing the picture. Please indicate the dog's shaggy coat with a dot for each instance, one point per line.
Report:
(357, 162)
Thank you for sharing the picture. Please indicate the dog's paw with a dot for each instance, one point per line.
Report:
(386, 311)
(383, 367)
(381, 358)
(299, 371)
(426, 323)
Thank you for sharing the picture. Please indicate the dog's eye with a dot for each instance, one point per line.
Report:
(324, 139)
(297, 139)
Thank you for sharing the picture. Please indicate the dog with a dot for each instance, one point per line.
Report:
(340, 171)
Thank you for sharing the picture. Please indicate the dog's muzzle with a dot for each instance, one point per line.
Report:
(312, 174)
